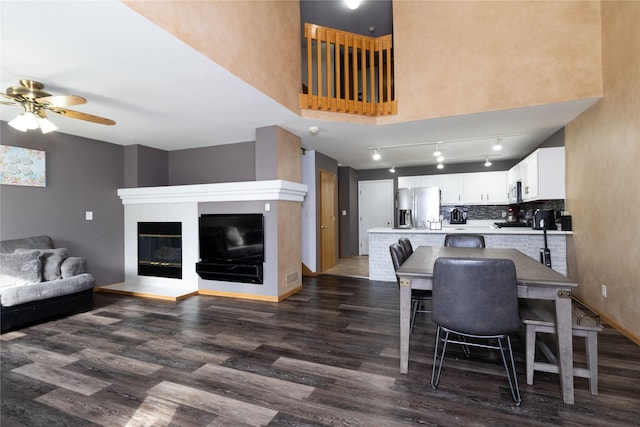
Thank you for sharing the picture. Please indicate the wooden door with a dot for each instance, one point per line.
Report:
(327, 220)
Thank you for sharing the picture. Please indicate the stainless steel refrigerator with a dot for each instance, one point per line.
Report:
(418, 207)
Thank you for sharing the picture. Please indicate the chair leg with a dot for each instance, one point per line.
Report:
(414, 311)
(435, 377)
(511, 371)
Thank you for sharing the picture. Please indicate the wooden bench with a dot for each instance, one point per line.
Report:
(539, 316)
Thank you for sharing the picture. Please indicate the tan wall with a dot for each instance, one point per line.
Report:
(603, 157)
(463, 57)
(258, 41)
(288, 157)
(289, 247)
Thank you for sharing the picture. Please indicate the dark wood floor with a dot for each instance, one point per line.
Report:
(325, 356)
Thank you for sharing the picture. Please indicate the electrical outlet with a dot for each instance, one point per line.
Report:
(604, 290)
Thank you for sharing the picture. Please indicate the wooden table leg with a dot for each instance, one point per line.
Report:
(565, 344)
(405, 314)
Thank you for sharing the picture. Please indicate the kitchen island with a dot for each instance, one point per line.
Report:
(526, 240)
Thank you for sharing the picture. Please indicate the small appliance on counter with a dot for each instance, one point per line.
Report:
(544, 219)
(458, 217)
(513, 214)
(566, 223)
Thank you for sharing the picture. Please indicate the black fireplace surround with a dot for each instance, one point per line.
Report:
(160, 249)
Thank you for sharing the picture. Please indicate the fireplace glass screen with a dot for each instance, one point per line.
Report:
(160, 249)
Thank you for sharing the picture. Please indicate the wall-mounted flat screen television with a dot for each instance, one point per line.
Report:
(231, 238)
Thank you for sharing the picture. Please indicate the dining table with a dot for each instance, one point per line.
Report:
(534, 280)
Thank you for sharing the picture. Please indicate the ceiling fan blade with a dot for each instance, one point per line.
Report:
(61, 100)
(82, 116)
(8, 103)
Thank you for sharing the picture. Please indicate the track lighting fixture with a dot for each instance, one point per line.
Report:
(436, 151)
(487, 163)
(498, 145)
(440, 166)
(392, 169)
(376, 154)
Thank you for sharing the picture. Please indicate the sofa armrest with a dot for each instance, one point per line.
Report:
(72, 266)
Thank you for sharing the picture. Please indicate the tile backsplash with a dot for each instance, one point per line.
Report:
(486, 212)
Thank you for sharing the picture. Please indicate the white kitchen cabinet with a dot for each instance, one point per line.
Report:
(485, 188)
(543, 175)
(409, 181)
(450, 187)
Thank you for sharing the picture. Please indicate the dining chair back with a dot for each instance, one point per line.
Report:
(464, 240)
(477, 298)
(397, 256)
(406, 245)
(418, 296)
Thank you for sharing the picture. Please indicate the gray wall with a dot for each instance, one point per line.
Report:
(145, 166)
(82, 175)
(348, 209)
(208, 165)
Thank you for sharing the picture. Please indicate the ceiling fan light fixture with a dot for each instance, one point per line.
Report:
(45, 125)
(353, 4)
(24, 122)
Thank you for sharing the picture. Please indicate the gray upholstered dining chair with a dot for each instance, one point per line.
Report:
(464, 240)
(406, 245)
(418, 296)
(475, 298)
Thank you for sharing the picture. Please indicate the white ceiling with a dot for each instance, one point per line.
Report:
(164, 94)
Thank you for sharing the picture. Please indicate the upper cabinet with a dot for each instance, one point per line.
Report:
(450, 185)
(482, 188)
(541, 175)
(485, 188)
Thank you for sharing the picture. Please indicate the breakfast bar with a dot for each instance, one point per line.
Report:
(526, 240)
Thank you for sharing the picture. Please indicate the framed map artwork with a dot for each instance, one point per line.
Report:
(22, 166)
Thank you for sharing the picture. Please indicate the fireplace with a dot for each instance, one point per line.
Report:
(160, 249)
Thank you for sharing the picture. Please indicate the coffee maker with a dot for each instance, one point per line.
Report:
(544, 219)
(457, 217)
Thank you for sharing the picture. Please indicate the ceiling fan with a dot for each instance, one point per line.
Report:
(35, 101)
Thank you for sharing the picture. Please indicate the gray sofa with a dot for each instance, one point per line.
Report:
(39, 281)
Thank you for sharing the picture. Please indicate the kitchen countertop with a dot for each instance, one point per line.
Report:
(478, 226)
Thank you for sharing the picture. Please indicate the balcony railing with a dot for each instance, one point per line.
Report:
(348, 73)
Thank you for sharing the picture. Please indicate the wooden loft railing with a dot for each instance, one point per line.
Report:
(348, 73)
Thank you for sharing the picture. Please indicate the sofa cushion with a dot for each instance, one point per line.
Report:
(14, 295)
(36, 242)
(20, 268)
(51, 261)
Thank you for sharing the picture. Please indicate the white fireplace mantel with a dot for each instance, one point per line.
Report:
(222, 192)
(180, 203)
